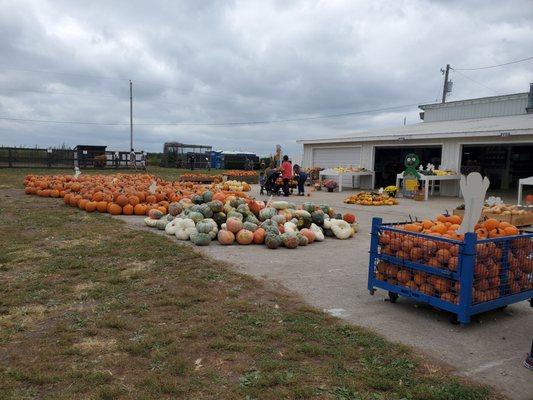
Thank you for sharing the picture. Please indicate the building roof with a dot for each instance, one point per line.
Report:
(478, 100)
(491, 126)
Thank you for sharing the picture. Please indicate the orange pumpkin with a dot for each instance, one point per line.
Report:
(101, 206)
(114, 209)
(127, 209)
(91, 206)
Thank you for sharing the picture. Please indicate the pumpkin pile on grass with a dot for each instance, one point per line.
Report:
(129, 194)
(243, 221)
(489, 271)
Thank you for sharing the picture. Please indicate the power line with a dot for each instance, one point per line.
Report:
(473, 80)
(60, 93)
(264, 122)
(494, 66)
(65, 73)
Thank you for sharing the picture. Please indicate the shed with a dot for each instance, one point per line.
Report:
(492, 135)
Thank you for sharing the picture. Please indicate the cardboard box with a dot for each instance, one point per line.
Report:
(514, 219)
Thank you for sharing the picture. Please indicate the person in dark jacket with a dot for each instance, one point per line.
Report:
(301, 177)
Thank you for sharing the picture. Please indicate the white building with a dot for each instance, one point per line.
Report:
(492, 135)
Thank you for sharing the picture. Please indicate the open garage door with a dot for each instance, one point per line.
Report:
(339, 156)
(389, 161)
(334, 157)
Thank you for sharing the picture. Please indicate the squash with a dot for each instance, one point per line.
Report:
(244, 237)
(154, 213)
(150, 222)
(302, 240)
(289, 227)
(309, 234)
(175, 208)
(161, 224)
(226, 237)
(171, 227)
(219, 218)
(234, 225)
(235, 214)
(114, 209)
(280, 205)
(309, 207)
(200, 239)
(279, 219)
(216, 206)
(267, 213)
(259, 236)
(195, 216)
(290, 240)
(319, 234)
(350, 218)
(184, 227)
(318, 217)
(249, 226)
(197, 199)
(272, 241)
(207, 196)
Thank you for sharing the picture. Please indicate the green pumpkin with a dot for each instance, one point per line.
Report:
(252, 218)
(249, 226)
(195, 216)
(267, 213)
(309, 207)
(208, 196)
(243, 209)
(216, 206)
(272, 241)
(302, 240)
(197, 199)
(328, 233)
(325, 208)
(337, 216)
(206, 211)
(219, 218)
(161, 224)
(201, 239)
(235, 214)
(204, 226)
(236, 202)
(318, 217)
(279, 219)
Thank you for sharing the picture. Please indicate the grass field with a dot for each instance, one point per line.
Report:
(90, 308)
(13, 177)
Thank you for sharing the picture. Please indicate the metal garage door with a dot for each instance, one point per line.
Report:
(334, 157)
(338, 156)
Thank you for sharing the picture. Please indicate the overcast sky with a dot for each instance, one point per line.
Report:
(235, 61)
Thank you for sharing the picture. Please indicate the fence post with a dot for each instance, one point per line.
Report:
(9, 160)
(374, 241)
(468, 262)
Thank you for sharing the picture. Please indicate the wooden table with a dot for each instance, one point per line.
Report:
(339, 175)
(429, 181)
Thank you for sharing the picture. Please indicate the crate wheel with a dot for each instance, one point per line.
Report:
(454, 320)
(393, 297)
(531, 302)
(372, 291)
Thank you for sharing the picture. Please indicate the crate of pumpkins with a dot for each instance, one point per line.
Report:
(429, 262)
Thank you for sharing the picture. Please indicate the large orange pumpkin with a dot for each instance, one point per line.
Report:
(139, 209)
(101, 206)
(122, 200)
(91, 206)
(114, 209)
(127, 209)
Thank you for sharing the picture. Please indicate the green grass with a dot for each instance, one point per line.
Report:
(14, 177)
(92, 309)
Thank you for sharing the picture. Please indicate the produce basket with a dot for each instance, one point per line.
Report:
(463, 277)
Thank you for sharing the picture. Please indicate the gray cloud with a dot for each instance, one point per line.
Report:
(219, 61)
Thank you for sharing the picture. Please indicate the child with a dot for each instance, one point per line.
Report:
(301, 177)
(286, 174)
(262, 180)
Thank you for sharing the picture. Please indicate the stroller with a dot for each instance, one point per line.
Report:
(273, 188)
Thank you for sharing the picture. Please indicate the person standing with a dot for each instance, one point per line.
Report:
(193, 159)
(286, 174)
(301, 177)
(133, 162)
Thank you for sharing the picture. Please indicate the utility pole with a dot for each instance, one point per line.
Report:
(445, 86)
(131, 116)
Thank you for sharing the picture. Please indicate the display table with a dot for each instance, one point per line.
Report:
(429, 182)
(338, 176)
(522, 182)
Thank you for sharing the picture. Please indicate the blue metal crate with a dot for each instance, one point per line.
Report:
(463, 277)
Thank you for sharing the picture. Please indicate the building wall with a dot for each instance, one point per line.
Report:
(451, 151)
(478, 108)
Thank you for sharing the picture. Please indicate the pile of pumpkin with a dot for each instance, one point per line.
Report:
(488, 270)
(232, 186)
(244, 221)
(371, 199)
(116, 194)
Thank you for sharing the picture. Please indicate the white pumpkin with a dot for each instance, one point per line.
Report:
(341, 229)
(150, 222)
(319, 234)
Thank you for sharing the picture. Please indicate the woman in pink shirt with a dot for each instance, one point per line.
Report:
(286, 174)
